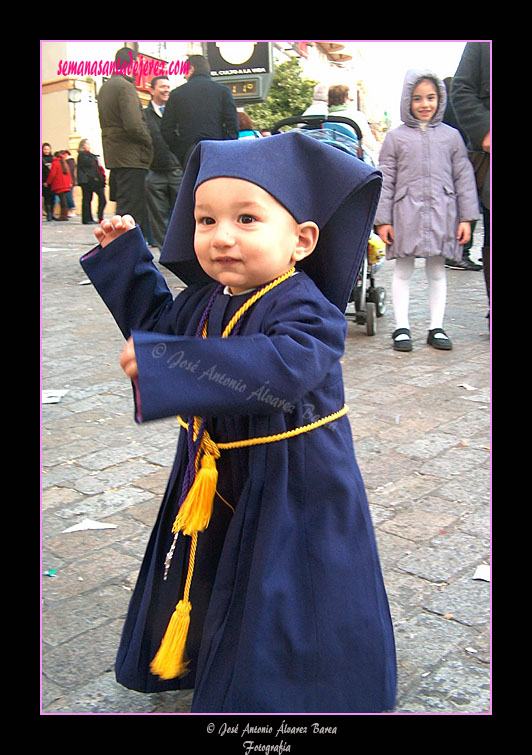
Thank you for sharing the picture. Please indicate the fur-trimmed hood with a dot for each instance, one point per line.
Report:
(412, 78)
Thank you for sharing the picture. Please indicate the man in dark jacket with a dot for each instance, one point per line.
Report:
(470, 94)
(199, 109)
(127, 145)
(449, 117)
(165, 174)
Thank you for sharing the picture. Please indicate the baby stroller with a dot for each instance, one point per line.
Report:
(367, 301)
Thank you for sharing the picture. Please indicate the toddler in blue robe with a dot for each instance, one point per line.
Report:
(277, 596)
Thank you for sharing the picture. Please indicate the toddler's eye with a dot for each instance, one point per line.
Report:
(204, 220)
(246, 219)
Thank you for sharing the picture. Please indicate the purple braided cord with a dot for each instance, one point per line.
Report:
(193, 446)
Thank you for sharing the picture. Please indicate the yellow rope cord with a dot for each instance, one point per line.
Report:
(249, 302)
(207, 444)
(191, 559)
(211, 446)
(224, 501)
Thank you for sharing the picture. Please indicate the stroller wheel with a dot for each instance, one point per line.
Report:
(371, 318)
(378, 296)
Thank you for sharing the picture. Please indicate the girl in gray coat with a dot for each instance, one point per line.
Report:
(428, 199)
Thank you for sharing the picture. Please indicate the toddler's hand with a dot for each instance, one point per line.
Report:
(128, 361)
(109, 230)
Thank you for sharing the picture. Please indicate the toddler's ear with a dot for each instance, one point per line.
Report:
(308, 234)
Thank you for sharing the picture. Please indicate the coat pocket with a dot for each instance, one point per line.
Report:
(449, 221)
(400, 193)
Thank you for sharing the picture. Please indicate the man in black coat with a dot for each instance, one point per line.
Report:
(449, 117)
(470, 94)
(165, 174)
(199, 109)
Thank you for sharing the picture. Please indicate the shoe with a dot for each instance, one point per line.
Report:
(464, 264)
(402, 344)
(443, 342)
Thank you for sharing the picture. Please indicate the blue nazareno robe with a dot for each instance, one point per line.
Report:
(289, 610)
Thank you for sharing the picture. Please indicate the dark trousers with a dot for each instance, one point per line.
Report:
(87, 191)
(48, 202)
(161, 193)
(63, 200)
(486, 250)
(127, 190)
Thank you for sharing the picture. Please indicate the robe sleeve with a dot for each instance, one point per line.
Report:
(260, 374)
(299, 342)
(129, 283)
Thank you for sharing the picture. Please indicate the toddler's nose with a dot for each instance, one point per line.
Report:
(223, 236)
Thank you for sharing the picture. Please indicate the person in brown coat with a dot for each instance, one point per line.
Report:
(127, 144)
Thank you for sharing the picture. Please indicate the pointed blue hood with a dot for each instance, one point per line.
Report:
(313, 181)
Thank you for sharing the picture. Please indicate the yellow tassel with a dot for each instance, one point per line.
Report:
(170, 659)
(195, 511)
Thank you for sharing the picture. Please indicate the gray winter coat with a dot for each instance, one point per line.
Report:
(428, 182)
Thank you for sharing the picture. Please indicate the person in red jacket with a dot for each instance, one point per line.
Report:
(60, 181)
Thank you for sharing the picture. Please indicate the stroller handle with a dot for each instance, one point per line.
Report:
(317, 121)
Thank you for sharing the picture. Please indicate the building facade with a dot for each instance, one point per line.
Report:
(72, 73)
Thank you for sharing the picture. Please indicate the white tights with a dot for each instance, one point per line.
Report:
(437, 280)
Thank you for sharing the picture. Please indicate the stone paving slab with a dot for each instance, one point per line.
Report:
(421, 425)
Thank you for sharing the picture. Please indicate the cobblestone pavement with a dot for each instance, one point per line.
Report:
(421, 424)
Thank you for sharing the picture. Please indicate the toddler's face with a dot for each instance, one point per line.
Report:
(244, 238)
(424, 101)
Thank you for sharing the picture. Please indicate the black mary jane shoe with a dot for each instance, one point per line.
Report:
(402, 344)
(443, 342)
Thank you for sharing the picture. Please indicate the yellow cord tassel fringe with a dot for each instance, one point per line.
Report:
(193, 516)
(195, 512)
(170, 659)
